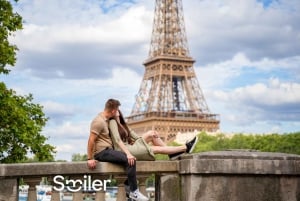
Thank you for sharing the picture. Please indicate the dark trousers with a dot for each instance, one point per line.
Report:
(118, 157)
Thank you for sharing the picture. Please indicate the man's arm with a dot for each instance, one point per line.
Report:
(90, 151)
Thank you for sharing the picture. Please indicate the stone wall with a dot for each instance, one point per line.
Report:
(240, 176)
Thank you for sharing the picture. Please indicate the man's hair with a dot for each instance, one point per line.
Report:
(112, 104)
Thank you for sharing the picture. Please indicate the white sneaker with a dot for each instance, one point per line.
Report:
(136, 195)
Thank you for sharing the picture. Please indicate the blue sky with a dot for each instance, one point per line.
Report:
(75, 54)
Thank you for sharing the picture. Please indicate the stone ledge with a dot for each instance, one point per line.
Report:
(240, 162)
(216, 162)
(79, 168)
(242, 154)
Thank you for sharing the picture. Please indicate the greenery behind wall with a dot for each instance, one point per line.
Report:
(283, 143)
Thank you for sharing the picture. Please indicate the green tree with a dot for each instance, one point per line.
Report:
(9, 23)
(284, 143)
(205, 142)
(240, 141)
(79, 157)
(21, 121)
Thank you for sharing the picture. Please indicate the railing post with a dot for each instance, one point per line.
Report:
(142, 183)
(32, 183)
(157, 187)
(100, 195)
(55, 196)
(78, 195)
(8, 189)
(121, 195)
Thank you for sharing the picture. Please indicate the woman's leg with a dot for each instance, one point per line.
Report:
(168, 149)
(153, 137)
(159, 147)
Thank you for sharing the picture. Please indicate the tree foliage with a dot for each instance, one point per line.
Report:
(283, 143)
(79, 157)
(9, 23)
(21, 121)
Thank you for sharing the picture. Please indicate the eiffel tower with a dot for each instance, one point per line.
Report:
(170, 99)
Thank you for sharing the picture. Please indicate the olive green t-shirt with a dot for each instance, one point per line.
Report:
(140, 149)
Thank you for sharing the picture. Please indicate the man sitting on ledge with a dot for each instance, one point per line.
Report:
(100, 148)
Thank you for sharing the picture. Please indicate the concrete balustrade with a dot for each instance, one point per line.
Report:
(208, 176)
(33, 172)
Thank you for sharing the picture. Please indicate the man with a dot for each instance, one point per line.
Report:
(100, 148)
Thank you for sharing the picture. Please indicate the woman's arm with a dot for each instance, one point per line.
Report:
(113, 127)
(133, 135)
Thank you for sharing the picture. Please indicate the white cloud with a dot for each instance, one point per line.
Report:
(275, 93)
(69, 130)
(81, 43)
(54, 107)
(65, 148)
(217, 75)
(218, 30)
(272, 102)
(133, 25)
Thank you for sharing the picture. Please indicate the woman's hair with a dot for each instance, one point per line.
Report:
(123, 129)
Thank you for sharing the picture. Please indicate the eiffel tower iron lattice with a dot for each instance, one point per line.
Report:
(170, 99)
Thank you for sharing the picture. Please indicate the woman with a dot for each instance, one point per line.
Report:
(129, 142)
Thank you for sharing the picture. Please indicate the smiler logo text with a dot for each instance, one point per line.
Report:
(86, 184)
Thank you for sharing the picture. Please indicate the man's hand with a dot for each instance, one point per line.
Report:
(92, 164)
